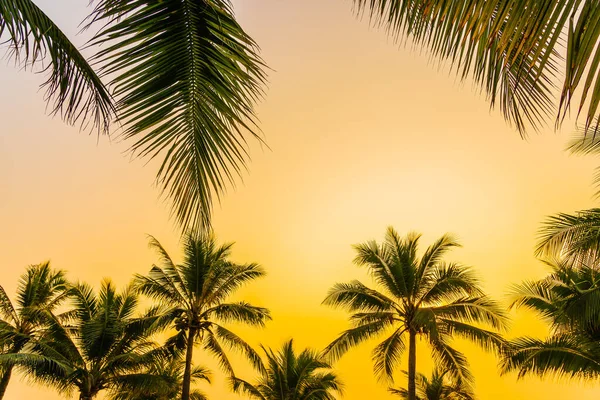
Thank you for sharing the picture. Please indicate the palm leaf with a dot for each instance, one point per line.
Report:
(73, 87)
(186, 77)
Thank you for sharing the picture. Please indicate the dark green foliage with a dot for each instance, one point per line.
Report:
(76, 91)
(186, 77)
(95, 346)
(291, 376)
(41, 291)
(437, 387)
(569, 300)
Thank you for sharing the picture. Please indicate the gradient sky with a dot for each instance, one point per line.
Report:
(363, 134)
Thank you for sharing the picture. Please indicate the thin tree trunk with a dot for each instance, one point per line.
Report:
(412, 365)
(4, 381)
(187, 375)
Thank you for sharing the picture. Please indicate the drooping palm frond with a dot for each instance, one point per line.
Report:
(73, 87)
(291, 376)
(186, 77)
(511, 48)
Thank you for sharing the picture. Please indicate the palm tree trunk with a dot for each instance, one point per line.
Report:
(187, 375)
(4, 381)
(412, 365)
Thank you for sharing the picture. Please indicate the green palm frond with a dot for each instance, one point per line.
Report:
(186, 78)
(453, 361)
(291, 376)
(511, 49)
(241, 312)
(570, 234)
(561, 355)
(236, 343)
(212, 345)
(386, 355)
(355, 296)
(354, 336)
(569, 299)
(447, 282)
(73, 87)
(473, 310)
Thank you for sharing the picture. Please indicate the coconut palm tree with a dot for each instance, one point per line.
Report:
(100, 346)
(195, 295)
(291, 376)
(418, 297)
(40, 291)
(438, 387)
(185, 75)
(569, 301)
(167, 382)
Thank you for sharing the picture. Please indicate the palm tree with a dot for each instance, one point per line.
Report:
(101, 345)
(40, 291)
(195, 294)
(167, 382)
(185, 76)
(569, 300)
(418, 298)
(291, 376)
(437, 387)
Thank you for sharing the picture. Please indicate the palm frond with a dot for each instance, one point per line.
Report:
(507, 47)
(357, 297)
(568, 234)
(386, 355)
(73, 87)
(560, 355)
(355, 336)
(186, 78)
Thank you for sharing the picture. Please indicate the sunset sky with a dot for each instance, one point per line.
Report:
(362, 134)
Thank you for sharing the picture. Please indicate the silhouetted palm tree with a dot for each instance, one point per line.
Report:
(438, 387)
(291, 376)
(569, 300)
(418, 297)
(101, 344)
(195, 294)
(40, 291)
(167, 380)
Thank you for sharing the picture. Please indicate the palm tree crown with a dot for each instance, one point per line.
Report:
(195, 294)
(569, 300)
(41, 290)
(419, 297)
(291, 376)
(98, 347)
(438, 387)
(166, 382)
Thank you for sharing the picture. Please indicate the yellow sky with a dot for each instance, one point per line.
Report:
(362, 134)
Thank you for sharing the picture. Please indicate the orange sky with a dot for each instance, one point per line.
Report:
(362, 134)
